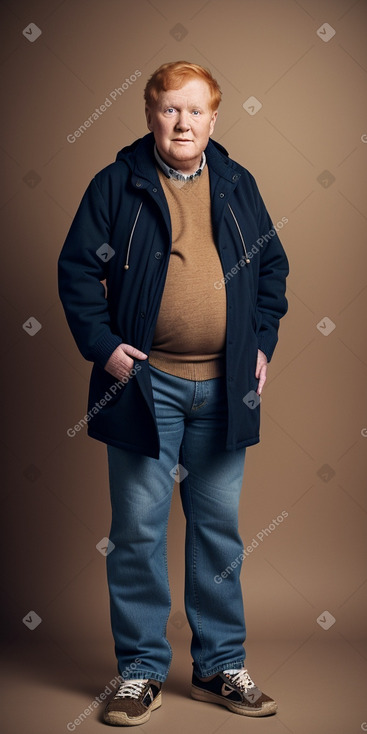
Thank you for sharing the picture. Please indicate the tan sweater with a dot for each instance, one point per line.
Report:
(189, 339)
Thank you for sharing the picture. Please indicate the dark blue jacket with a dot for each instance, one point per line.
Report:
(125, 208)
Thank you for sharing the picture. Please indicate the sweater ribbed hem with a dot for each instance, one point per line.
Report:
(103, 349)
(202, 370)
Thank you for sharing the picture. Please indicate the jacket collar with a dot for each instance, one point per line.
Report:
(144, 166)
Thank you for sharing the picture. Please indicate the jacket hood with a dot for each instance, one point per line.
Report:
(128, 151)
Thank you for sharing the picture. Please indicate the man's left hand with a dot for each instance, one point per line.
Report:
(261, 370)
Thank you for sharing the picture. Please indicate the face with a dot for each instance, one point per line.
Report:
(182, 121)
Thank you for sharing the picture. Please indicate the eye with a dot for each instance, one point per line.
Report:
(170, 110)
(196, 113)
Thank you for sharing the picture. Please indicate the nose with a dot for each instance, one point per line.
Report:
(183, 121)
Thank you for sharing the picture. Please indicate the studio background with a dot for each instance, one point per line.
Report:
(304, 138)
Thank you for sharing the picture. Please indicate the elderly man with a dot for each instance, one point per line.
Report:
(180, 335)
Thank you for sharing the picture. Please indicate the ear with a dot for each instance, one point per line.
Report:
(148, 115)
(213, 121)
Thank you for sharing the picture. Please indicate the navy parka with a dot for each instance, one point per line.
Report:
(123, 220)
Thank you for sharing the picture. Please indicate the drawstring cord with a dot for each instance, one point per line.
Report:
(247, 259)
(126, 266)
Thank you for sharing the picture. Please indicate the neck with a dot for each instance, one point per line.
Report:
(185, 171)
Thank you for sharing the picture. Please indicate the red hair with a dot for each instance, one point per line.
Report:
(174, 75)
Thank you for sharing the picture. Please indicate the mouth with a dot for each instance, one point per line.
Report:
(181, 140)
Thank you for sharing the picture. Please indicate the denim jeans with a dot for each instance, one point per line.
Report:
(191, 419)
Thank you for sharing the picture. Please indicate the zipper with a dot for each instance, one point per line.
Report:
(126, 266)
(247, 259)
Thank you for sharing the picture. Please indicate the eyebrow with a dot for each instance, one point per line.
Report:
(177, 106)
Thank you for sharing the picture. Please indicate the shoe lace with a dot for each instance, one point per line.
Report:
(242, 679)
(131, 688)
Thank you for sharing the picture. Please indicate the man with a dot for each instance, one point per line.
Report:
(180, 340)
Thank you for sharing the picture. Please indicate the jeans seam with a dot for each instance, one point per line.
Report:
(194, 558)
(170, 601)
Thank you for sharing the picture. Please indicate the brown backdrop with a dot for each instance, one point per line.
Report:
(305, 63)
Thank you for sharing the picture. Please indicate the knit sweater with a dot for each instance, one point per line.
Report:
(189, 338)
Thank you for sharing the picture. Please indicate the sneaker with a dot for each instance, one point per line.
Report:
(235, 690)
(133, 703)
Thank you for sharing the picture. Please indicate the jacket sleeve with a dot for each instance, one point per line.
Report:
(82, 266)
(274, 268)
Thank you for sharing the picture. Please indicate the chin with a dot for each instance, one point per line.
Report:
(183, 155)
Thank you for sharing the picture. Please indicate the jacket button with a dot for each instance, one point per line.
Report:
(138, 184)
(221, 195)
(154, 190)
(142, 314)
(158, 255)
(235, 177)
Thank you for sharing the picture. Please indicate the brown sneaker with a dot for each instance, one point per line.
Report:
(133, 703)
(235, 690)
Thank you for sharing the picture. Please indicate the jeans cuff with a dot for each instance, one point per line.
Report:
(238, 664)
(138, 674)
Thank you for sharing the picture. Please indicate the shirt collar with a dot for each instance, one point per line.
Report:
(172, 173)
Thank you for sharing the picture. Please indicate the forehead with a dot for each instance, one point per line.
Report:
(193, 92)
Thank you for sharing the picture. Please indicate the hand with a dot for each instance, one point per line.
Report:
(261, 370)
(121, 360)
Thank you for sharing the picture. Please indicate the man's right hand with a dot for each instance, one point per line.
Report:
(121, 360)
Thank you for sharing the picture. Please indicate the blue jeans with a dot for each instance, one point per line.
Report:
(191, 418)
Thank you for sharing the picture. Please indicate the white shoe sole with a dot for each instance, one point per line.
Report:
(120, 718)
(269, 707)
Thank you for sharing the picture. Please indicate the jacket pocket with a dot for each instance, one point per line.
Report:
(104, 390)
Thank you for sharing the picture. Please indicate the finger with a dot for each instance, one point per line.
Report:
(262, 379)
(259, 366)
(133, 351)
